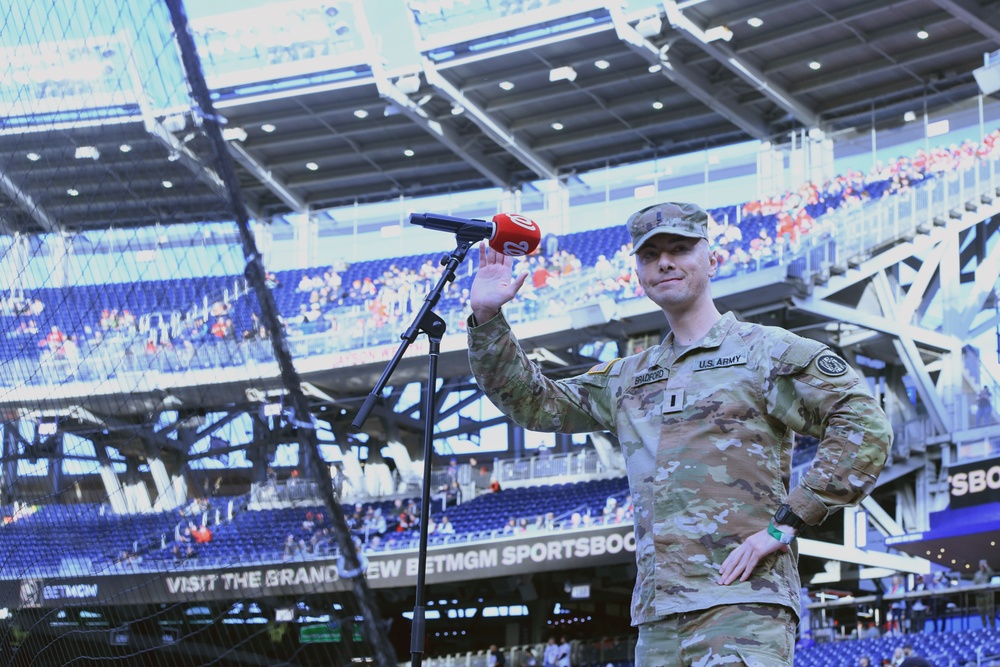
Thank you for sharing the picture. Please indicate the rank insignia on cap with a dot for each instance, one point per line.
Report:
(603, 368)
(831, 364)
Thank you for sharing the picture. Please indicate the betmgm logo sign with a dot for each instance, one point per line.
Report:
(31, 593)
(34, 592)
(974, 483)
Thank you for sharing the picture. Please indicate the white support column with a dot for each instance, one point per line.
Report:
(166, 495)
(770, 170)
(14, 261)
(137, 497)
(264, 236)
(61, 245)
(556, 206)
(306, 237)
(116, 497)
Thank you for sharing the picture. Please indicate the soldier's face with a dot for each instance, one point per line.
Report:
(675, 270)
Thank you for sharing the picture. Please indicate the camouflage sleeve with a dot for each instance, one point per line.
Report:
(519, 389)
(815, 392)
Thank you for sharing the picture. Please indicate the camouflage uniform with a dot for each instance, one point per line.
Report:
(707, 439)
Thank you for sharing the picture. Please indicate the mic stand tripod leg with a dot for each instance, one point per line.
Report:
(434, 326)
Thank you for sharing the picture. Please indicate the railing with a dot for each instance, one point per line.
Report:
(541, 466)
(863, 230)
(289, 491)
(600, 651)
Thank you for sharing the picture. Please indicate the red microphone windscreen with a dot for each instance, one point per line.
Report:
(514, 235)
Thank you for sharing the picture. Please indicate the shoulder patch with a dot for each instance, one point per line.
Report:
(831, 364)
(603, 368)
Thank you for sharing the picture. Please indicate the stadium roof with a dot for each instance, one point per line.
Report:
(591, 86)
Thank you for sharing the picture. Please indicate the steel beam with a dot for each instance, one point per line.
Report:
(741, 67)
(692, 81)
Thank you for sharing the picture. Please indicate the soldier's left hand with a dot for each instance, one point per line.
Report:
(744, 559)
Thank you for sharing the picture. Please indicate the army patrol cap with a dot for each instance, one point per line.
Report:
(667, 218)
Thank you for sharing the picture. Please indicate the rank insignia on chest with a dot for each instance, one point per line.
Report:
(649, 375)
(673, 401)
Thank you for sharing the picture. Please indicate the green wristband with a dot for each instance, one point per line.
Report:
(784, 538)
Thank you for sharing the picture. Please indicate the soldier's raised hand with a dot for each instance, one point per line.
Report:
(494, 285)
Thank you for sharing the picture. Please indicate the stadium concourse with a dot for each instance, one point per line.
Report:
(207, 267)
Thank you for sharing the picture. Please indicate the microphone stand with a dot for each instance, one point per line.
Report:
(430, 323)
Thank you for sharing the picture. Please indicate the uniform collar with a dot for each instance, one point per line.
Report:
(711, 340)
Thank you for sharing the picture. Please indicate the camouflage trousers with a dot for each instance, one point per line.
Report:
(750, 635)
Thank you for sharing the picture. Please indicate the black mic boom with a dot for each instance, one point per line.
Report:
(463, 228)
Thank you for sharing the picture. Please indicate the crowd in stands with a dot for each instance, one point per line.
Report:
(346, 301)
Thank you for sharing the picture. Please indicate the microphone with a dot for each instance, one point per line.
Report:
(509, 234)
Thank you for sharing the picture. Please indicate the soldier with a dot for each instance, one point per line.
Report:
(705, 421)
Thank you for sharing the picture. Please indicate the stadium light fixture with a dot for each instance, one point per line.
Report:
(234, 134)
(268, 127)
(557, 126)
(909, 116)
(602, 64)
(34, 157)
(718, 32)
(649, 26)
(814, 65)
(168, 184)
(408, 84)
(657, 104)
(923, 34)
(125, 148)
(312, 166)
(507, 85)
(408, 152)
(73, 192)
(361, 113)
(565, 73)
(457, 110)
(755, 22)
(87, 153)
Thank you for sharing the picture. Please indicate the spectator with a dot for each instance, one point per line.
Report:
(201, 534)
(291, 546)
(985, 601)
(610, 507)
(896, 615)
(53, 342)
(36, 307)
(550, 657)
(984, 407)
(911, 659)
(446, 527)
(919, 607)
(495, 657)
(938, 602)
(564, 653)
(864, 661)
(182, 543)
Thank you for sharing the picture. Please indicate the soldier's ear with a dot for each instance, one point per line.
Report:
(713, 263)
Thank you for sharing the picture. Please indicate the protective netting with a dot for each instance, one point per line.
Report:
(164, 497)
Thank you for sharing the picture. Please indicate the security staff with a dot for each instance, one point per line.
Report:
(706, 422)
